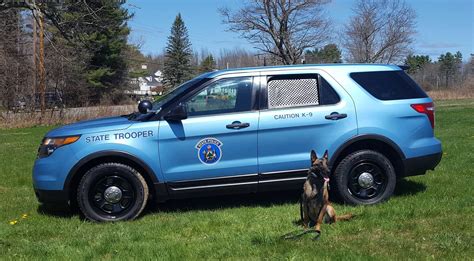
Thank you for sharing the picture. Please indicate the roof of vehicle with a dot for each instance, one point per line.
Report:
(347, 68)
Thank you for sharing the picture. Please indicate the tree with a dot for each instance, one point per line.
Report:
(208, 64)
(381, 31)
(104, 34)
(11, 59)
(471, 65)
(88, 35)
(135, 60)
(330, 53)
(236, 58)
(281, 28)
(416, 62)
(178, 55)
(450, 65)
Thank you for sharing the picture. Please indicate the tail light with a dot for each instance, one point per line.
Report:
(426, 108)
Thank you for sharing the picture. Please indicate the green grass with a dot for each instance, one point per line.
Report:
(430, 216)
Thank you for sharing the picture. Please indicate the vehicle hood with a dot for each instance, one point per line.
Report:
(91, 126)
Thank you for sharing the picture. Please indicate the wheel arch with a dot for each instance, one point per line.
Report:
(374, 142)
(81, 167)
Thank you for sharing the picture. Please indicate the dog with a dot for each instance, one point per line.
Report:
(315, 206)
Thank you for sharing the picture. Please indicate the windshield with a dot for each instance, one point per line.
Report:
(166, 98)
(174, 93)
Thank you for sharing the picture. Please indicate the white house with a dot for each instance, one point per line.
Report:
(151, 85)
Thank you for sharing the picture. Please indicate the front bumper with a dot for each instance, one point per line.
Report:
(57, 197)
(419, 165)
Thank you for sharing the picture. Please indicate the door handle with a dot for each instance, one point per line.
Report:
(335, 116)
(237, 125)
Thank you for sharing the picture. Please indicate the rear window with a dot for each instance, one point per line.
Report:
(389, 85)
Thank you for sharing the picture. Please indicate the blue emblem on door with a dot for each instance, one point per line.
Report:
(209, 150)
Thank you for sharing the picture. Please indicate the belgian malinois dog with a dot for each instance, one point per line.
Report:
(315, 206)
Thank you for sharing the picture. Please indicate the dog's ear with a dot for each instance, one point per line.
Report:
(314, 157)
(326, 156)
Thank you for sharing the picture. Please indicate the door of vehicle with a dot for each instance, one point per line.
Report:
(304, 111)
(215, 148)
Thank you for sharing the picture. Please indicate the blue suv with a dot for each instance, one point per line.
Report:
(244, 131)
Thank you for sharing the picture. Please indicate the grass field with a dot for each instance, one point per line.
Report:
(430, 216)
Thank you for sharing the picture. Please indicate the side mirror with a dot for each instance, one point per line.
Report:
(180, 112)
(145, 106)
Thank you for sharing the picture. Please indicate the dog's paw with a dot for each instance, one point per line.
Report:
(318, 234)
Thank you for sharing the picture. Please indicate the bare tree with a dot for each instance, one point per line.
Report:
(15, 67)
(282, 28)
(236, 58)
(381, 31)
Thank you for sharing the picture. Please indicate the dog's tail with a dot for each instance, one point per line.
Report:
(345, 217)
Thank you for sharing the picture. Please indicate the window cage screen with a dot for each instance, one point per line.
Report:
(292, 92)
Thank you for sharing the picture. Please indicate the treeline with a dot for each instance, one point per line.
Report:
(77, 53)
(447, 72)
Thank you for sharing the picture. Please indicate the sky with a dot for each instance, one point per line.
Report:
(442, 25)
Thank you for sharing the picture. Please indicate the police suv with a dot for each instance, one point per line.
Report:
(243, 131)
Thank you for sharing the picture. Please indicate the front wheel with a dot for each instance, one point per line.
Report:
(112, 192)
(365, 177)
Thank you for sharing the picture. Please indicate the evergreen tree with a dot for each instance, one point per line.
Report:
(177, 67)
(208, 64)
(450, 65)
(108, 68)
(416, 62)
(100, 29)
(330, 53)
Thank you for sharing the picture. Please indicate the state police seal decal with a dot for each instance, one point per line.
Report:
(209, 150)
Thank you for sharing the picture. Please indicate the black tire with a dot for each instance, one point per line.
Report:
(112, 192)
(364, 177)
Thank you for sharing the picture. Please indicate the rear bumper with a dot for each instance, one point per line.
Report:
(419, 165)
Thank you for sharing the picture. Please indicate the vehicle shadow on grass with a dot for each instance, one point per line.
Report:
(265, 199)
(408, 188)
(56, 211)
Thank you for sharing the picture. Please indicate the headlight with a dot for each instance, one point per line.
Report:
(49, 145)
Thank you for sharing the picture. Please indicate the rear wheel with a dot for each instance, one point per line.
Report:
(112, 192)
(365, 177)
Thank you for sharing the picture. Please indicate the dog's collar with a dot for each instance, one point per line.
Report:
(315, 176)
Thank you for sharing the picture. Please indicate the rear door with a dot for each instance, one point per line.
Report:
(300, 111)
(215, 148)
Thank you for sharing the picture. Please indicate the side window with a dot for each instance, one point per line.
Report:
(389, 85)
(222, 96)
(327, 94)
(299, 90)
(292, 91)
